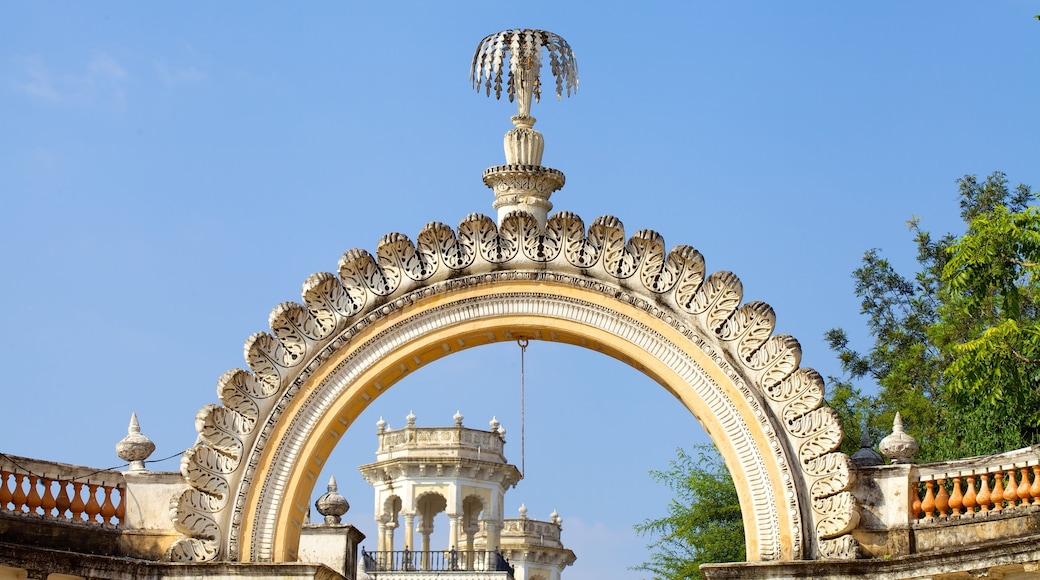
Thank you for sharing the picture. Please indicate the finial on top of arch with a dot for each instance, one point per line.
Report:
(523, 69)
(522, 184)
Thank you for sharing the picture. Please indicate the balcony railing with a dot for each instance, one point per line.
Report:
(436, 561)
(981, 486)
(31, 487)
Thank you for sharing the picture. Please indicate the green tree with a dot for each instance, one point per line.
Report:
(957, 345)
(703, 523)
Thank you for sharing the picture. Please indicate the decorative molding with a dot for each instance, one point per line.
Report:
(670, 286)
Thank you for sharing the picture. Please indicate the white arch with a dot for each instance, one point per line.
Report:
(354, 334)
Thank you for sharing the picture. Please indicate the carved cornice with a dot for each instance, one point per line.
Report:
(671, 286)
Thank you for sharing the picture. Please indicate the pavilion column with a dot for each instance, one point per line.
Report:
(453, 531)
(409, 531)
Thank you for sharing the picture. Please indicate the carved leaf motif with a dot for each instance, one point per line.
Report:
(647, 248)
(237, 397)
(836, 515)
(836, 481)
(263, 353)
(329, 302)
(579, 250)
(286, 321)
(358, 268)
(798, 382)
(244, 381)
(777, 359)
(717, 298)
(826, 463)
(751, 325)
(608, 234)
(841, 548)
(820, 442)
(192, 549)
(814, 421)
(522, 226)
(482, 233)
(190, 516)
(398, 259)
(691, 276)
(220, 429)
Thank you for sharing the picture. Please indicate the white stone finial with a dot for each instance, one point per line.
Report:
(458, 418)
(522, 184)
(381, 425)
(898, 446)
(523, 511)
(410, 418)
(135, 447)
(332, 505)
(555, 518)
(494, 424)
(502, 432)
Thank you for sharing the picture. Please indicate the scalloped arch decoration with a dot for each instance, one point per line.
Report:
(250, 473)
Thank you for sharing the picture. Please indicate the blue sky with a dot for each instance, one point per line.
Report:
(171, 173)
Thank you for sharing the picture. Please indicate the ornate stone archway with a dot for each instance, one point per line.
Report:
(260, 452)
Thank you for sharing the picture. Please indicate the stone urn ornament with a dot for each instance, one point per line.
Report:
(898, 445)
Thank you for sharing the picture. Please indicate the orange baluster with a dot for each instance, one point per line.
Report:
(969, 496)
(942, 499)
(1023, 487)
(78, 507)
(33, 500)
(5, 492)
(998, 491)
(915, 507)
(93, 507)
(19, 494)
(1011, 491)
(48, 502)
(1035, 490)
(984, 493)
(63, 502)
(108, 509)
(928, 504)
(121, 507)
(957, 499)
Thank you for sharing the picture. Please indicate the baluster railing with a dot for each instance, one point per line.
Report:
(977, 487)
(48, 490)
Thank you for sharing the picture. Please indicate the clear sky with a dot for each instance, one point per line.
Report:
(170, 173)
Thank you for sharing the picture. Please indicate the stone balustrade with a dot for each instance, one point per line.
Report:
(977, 487)
(59, 491)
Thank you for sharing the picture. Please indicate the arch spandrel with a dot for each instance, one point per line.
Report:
(384, 315)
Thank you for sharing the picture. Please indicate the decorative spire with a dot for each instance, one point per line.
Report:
(494, 424)
(381, 425)
(410, 418)
(522, 183)
(898, 446)
(135, 447)
(332, 505)
(523, 511)
(555, 518)
(458, 418)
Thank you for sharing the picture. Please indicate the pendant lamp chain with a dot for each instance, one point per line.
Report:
(523, 451)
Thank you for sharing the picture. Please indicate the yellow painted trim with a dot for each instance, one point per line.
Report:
(444, 341)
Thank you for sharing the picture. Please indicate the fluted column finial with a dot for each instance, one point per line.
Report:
(522, 183)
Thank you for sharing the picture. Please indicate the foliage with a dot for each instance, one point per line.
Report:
(957, 346)
(703, 523)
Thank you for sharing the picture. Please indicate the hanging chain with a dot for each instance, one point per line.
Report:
(523, 451)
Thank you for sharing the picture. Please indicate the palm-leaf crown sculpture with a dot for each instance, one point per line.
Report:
(522, 183)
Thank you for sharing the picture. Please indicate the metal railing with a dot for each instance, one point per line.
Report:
(436, 561)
